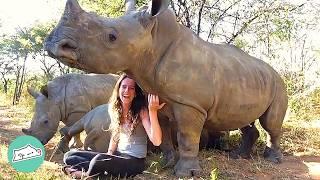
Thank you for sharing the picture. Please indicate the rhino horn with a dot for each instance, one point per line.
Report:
(72, 8)
(130, 6)
(26, 131)
(33, 92)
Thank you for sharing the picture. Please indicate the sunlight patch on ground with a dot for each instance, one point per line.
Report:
(314, 169)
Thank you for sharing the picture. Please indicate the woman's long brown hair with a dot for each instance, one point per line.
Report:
(138, 103)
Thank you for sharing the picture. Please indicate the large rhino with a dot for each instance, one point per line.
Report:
(67, 98)
(203, 84)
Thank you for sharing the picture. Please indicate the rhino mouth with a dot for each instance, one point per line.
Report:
(65, 51)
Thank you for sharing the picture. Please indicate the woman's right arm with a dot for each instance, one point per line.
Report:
(113, 144)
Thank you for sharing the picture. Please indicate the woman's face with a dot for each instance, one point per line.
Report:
(127, 91)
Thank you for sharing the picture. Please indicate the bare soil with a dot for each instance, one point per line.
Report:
(292, 167)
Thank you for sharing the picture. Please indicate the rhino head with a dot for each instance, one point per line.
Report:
(46, 117)
(107, 45)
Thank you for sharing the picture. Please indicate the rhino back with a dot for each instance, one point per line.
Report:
(97, 118)
(99, 87)
(79, 93)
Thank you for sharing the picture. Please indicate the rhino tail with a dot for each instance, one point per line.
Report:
(76, 128)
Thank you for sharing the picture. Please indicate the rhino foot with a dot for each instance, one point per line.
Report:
(187, 167)
(169, 159)
(272, 155)
(238, 153)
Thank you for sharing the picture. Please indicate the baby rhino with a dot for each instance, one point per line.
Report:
(96, 124)
(67, 99)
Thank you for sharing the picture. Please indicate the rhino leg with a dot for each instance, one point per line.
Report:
(166, 145)
(74, 131)
(249, 136)
(190, 123)
(77, 141)
(272, 121)
(90, 139)
(214, 140)
(64, 142)
(204, 139)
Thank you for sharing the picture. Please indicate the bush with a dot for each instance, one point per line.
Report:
(306, 107)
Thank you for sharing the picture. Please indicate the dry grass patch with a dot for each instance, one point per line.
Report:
(301, 137)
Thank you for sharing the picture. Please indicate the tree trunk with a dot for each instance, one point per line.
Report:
(5, 83)
(5, 86)
(19, 82)
(15, 94)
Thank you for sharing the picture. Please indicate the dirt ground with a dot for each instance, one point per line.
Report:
(292, 167)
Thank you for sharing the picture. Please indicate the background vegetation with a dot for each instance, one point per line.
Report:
(280, 32)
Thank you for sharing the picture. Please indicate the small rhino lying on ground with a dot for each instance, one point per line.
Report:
(67, 98)
(95, 123)
(216, 86)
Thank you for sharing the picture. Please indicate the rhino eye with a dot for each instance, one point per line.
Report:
(112, 37)
(45, 122)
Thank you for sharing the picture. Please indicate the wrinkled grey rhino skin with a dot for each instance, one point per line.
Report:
(67, 98)
(217, 86)
(95, 123)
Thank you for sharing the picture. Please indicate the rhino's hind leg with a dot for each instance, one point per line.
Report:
(249, 136)
(190, 123)
(272, 121)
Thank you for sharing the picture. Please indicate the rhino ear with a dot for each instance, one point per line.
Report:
(33, 92)
(44, 90)
(154, 9)
(130, 6)
(157, 7)
(72, 7)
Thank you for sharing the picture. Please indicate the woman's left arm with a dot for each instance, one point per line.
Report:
(150, 120)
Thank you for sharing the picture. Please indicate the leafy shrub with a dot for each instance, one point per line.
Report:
(306, 107)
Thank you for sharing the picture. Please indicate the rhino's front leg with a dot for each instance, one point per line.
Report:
(65, 139)
(190, 123)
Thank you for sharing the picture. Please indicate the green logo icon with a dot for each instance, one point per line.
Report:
(26, 153)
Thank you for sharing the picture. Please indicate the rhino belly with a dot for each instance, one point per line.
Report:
(234, 116)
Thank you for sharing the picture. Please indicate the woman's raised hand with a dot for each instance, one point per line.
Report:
(153, 102)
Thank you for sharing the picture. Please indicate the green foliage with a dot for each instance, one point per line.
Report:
(111, 8)
(37, 81)
(306, 107)
(37, 35)
(240, 43)
(294, 82)
(282, 28)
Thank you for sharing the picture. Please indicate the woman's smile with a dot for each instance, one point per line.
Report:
(127, 91)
